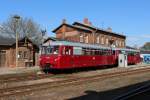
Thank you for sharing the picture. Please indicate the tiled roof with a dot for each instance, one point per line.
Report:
(95, 28)
(50, 38)
(6, 41)
(72, 26)
(86, 27)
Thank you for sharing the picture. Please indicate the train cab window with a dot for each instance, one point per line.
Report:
(50, 50)
(55, 50)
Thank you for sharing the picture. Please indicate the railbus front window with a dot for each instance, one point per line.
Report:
(50, 50)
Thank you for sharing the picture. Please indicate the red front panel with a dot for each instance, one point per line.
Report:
(52, 60)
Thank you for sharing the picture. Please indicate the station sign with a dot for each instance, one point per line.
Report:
(146, 58)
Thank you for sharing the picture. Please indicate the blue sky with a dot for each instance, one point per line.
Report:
(130, 17)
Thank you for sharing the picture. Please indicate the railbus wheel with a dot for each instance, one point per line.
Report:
(47, 68)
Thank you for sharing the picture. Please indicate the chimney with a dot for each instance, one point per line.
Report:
(90, 23)
(86, 21)
(64, 21)
(109, 29)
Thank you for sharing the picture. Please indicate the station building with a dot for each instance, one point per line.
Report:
(27, 52)
(87, 33)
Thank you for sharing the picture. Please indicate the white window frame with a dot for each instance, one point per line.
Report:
(102, 40)
(116, 43)
(86, 39)
(97, 40)
(107, 41)
(81, 38)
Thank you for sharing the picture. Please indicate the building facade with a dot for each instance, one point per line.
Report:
(27, 53)
(87, 33)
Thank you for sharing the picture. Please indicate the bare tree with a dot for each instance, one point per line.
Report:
(135, 46)
(26, 27)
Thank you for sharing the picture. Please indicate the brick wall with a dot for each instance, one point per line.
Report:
(104, 38)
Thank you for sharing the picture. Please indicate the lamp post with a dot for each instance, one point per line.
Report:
(16, 18)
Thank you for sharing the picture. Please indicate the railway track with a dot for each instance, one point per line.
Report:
(25, 77)
(71, 81)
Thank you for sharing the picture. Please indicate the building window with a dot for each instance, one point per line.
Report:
(102, 40)
(117, 43)
(81, 38)
(25, 54)
(107, 41)
(123, 44)
(86, 39)
(97, 40)
(22, 55)
(120, 43)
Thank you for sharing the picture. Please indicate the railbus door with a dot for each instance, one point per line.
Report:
(67, 56)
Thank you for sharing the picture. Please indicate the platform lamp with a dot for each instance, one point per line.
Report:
(16, 18)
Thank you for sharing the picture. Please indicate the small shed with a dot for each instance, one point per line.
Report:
(27, 52)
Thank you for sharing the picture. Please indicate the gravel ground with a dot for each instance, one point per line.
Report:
(103, 89)
(18, 70)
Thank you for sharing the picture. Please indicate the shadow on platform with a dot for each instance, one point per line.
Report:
(112, 94)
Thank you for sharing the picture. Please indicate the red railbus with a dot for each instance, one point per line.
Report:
(69, 55)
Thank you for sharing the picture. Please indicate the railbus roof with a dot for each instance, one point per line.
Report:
(84, 45)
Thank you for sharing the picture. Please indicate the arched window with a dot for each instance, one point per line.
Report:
(86, 39)
(97, 40)
(107, 41)
(123, 43)
(120, 43)
(117, 43)
(102, 40)
(81, 38)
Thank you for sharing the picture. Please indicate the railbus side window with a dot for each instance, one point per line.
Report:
(96, 52)
(77, 51)
(67, 51)
(92, 51)
(88, 51)
(104, 52)
(100, 52)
